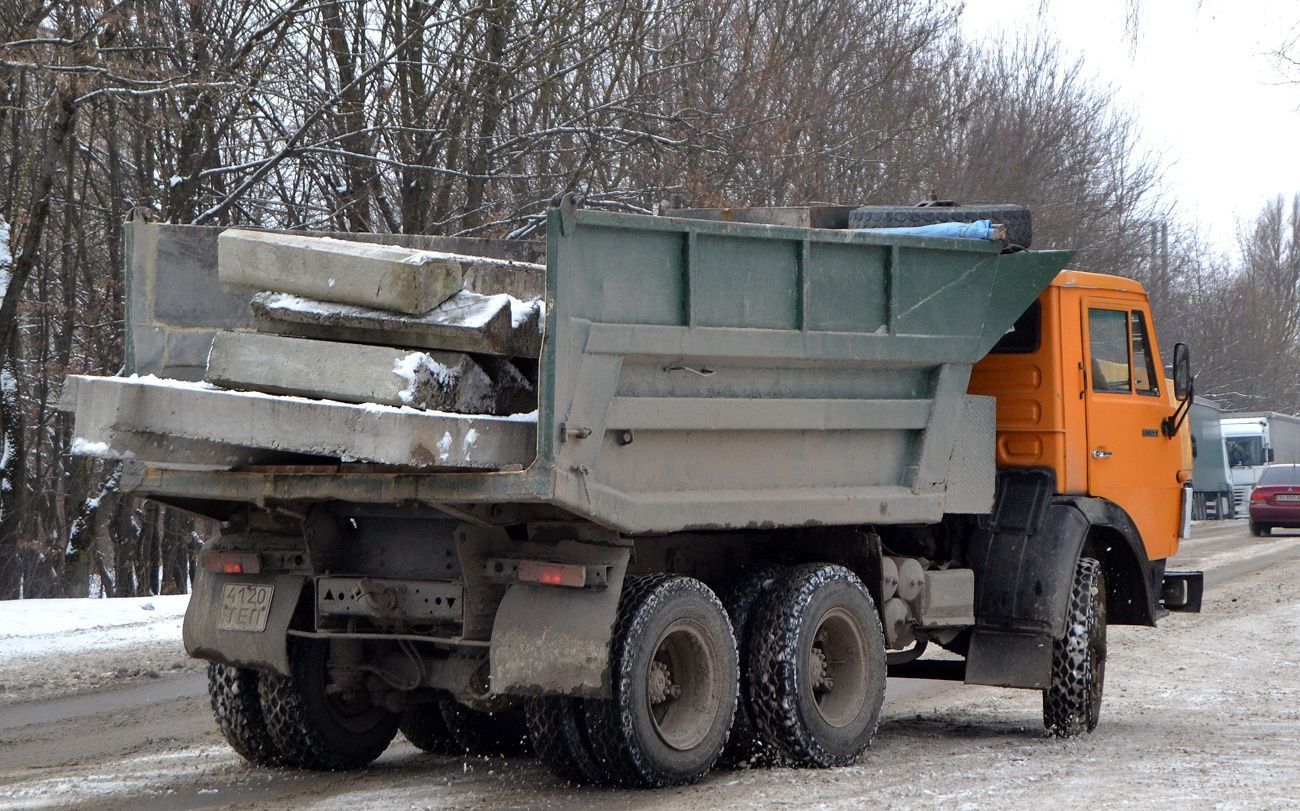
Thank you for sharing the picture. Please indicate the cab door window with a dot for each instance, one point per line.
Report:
(1108, 344)
(1145, 379)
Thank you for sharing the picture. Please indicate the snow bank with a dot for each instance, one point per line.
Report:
(44, 627)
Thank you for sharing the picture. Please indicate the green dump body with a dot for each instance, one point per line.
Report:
(717, 375)
(714, 375)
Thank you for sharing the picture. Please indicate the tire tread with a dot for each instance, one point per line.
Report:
(774, 676)
(232, 692)
(1067, 705)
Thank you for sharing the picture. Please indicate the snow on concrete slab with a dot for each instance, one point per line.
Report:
(468, 322)
(349, 373)
(110, 409)
(384, 276)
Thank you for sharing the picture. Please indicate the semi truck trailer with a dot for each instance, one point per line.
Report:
(1254, 439)
(1211, 473)
(768, 467)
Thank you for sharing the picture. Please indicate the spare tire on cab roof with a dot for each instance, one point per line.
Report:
(1017, 219)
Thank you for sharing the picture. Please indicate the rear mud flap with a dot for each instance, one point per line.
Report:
(550, 640)
(262, 650)
(1009, 660)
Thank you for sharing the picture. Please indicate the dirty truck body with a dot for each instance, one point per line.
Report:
(771, 463)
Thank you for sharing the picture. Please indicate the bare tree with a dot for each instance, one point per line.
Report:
(466, 117)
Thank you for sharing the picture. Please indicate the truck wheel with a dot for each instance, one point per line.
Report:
(233, 695)
(558, 732)
(744, 747)
(1259, 530)
(818, 670)
(674, 674)
(315, 727)
(1072, 704)
(476, 732)
(1017, 219)
(424, 727)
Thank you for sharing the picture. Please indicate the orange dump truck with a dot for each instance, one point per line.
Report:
(746, 469)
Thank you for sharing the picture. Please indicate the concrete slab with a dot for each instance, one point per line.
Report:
(512, 392)
(188, 349)
(110, 406)
(166, 451)
(350, 373)
(95, 435)
(383, 276)
(466, 322)
(523, 280)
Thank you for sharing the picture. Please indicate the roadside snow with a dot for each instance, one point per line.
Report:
(52, 649)
(40, 628)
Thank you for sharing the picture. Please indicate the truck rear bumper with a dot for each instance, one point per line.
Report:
(1181, 591)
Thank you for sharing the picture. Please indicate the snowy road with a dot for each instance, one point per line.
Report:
(1203, 712)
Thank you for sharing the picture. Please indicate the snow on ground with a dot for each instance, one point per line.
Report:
(63, 647)
(60, 627)
(1202, 712)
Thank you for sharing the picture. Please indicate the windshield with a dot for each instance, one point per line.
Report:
(1245, 450)
(1280, 474)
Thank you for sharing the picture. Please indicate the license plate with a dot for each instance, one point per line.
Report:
(245, 607)
(1288, 497)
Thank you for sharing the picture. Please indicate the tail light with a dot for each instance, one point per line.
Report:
(1257, 495)
(553, 574)
(232, 563)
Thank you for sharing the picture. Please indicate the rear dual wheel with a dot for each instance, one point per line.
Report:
(816, 665)
(423, 725)
(232, 692)
(299, 720)
(674, 676)
(316, 723)
(745, 747)
(479, 732)
(557, 728)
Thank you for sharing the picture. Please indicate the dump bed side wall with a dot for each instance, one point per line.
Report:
(726, 375)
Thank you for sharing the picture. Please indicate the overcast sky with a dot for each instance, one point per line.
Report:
(1200, 80)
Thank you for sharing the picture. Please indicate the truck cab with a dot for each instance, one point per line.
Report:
(1080, 393)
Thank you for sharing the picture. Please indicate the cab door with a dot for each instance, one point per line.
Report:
(1130, 461)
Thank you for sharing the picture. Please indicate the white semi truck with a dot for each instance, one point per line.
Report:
(1253, 439)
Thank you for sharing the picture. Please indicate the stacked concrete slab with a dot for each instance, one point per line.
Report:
(498, 325)
(362, 352)
(180, 424)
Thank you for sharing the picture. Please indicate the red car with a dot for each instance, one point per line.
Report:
(1276, 499)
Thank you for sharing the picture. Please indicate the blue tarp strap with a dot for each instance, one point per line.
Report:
(980, 229)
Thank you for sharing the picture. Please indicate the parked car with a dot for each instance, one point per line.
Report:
(1275, 501)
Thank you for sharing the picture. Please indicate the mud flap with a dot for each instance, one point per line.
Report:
(1009, 660)
(551, 640)
(263, 650)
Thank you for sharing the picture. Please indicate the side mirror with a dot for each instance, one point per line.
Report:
(1182, 372)
(1268, 455)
